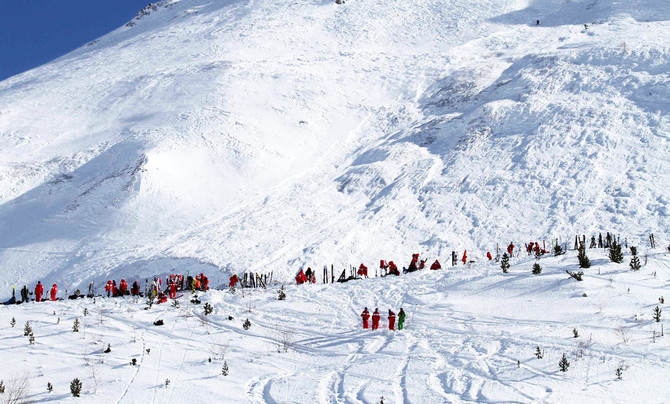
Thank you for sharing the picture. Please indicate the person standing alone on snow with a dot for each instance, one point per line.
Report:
(401, 319)
(54, 291)
(365, 316)
(391, 320)
(375, 319)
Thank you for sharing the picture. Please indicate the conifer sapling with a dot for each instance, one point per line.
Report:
(246, 324)
(584, 261)
(13, 322)
(75, 328)
(537, 269)
(657, 314)
(538, 353)
(27, 330)
(615, 253)
(504, 263)
(75, 387)
(224, 369)
(563, 365)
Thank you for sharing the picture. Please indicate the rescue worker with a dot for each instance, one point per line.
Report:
(422, 264)
(488, 255)
(173, 290)
(54, 291)
(465, 257)
(375, 319)
(115, 289)
(393, 269)
(108, 288)
(233, 281)
(401, 319)
(510, 249)
(123, 287)
(436, 265)
(135, 290)
(391, 320)
(24, 294)
(363, 270)
(365, 316)
(39, 289)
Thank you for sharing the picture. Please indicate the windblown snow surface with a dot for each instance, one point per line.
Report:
(231, 136)
(470, 336)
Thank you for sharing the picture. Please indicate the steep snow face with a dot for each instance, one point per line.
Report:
(253, 135)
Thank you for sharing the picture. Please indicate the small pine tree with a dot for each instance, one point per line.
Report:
(619, 372)
(31, 339)
(504, 263)
(224, 369)
(282, 295)
(584, 261)
(108, 349)
(75, 327)
(85, 311)
(635, 261)
(13, 322)
(208, 309)
(575, 275)
(563, 365)
(538, 353)
(247, 324)
(657, 314)
(537, 269)
(558, 250)
(50, 387)
(575, 333)
(167, 382)
(615, 253)
(75, 387)
(2, 386)
(27, 330)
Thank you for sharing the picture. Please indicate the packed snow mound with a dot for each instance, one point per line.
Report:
(268, 135)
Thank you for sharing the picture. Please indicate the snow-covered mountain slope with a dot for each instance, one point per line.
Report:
(471, 335)
(265, 135)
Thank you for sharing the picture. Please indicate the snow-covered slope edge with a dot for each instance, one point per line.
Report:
(268, 135)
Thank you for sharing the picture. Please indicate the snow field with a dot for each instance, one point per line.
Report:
(467, 327)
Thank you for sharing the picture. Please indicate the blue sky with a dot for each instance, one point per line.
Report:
(33, 32)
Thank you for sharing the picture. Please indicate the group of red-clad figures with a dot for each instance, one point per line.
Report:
(39, 291)
(174, 283)
(376, 317)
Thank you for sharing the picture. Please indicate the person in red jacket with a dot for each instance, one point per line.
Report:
(393, 269)
(375, 319)
(510, 249)
(488, 255)
(383, 267)
(135, 290)
(436, 265)
(391, 320)
(233, 281)
(465, 257)
(123, 287)
(363, 270)
(115, 289)
(365, 316)
(54, 291)
(39, 289)
(108, 288)
(173, 289)
(422, 264)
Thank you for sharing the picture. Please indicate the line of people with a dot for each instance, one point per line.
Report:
(376, 317)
